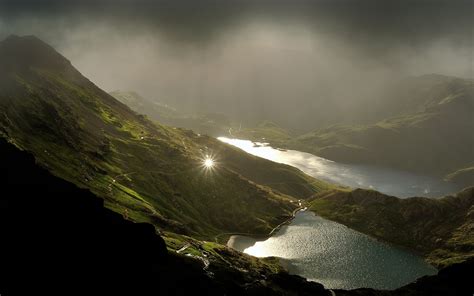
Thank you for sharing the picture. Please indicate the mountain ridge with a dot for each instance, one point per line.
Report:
(85, 136)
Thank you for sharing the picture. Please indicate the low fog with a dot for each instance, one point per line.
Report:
(301, 64)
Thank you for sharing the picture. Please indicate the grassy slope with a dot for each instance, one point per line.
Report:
(148, 172)
(281, 177)
(441, 229)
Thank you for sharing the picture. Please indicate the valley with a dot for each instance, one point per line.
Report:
(161, 199)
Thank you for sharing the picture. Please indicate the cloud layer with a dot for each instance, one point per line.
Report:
(266, 59)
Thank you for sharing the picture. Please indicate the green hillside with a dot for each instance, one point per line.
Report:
(144, 170)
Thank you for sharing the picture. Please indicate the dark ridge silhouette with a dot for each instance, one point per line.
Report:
(55, 235)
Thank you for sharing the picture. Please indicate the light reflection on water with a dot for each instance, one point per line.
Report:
(389, 181)
(336, 256)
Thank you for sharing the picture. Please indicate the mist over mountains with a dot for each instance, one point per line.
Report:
(255, 60)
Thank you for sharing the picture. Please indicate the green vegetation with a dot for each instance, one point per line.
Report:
(440, 229)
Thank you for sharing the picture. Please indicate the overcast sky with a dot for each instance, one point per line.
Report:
(223, 54)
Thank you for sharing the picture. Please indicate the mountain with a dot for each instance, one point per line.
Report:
(146, 171)
(440, 229)
(432, 134)
(212, 124)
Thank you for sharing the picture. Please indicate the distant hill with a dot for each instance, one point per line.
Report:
(209, 124)
(430, 131)
(441, 229)
(263, 132)
(144, 170)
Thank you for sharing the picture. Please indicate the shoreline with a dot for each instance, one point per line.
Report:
(230, 240)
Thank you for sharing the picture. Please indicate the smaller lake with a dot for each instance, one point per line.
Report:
(389, 181)
(336, 256)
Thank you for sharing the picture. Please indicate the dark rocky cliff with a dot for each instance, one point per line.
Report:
(55, 234)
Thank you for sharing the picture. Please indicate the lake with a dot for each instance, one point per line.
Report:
(335, 255)
(389, 181)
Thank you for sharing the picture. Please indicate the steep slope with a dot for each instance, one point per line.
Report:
(148, 172)
(287, 181)
(433, 135)
(284, 179)
(210, 124)
(441, 229)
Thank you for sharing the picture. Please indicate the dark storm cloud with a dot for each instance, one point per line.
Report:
(265, 58)
(414, 21)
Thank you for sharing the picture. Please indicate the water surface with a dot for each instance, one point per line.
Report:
(336, 256)
(389, 181)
